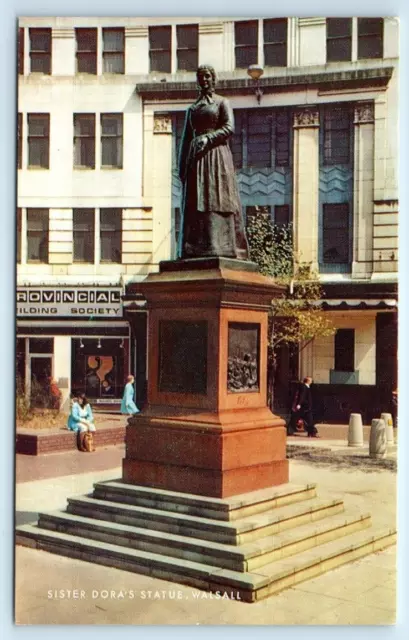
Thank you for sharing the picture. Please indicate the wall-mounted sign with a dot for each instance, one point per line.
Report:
(69, 301)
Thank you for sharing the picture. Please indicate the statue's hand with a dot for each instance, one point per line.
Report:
(201, 143)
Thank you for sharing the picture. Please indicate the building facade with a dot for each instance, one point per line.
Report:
(101, 104)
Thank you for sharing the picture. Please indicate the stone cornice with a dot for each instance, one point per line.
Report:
(63, 32)
(374, 77)
(211, 27)
(140, 31)
(311, 22)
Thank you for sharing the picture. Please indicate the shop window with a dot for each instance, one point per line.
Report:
(339, 39)
(187, 47)
(20, 51)
(370, 38)
(98, 367)
(84, 140)
(111, 140)
(113, 50)
(39, 140)
(18, 238)
(19, 140)
(41, 345)
(160, 55)
(337, 123)
(40, 51)
(37, 235)
(111, 235)
(275, 42)
(83, 235)
(86, 50)
(246, 43)
(336, 234)
(344, 350)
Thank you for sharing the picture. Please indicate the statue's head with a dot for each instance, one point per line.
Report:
(206, 77)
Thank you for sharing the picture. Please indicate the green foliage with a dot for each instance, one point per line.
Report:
(296, 317)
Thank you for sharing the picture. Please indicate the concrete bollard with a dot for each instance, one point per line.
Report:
(377, 439)
(355, 431)
(387, 418)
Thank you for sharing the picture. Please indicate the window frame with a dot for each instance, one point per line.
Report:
(110, 53)
(19, 226)
(20, 51)
(89, 234)
(19, 140)
(78, 137)
(45, 230)
(275, 43)
(119, 137)
(329, 117)
(31, 138)
(153, 50)
(91, 53)
(244, 46)
(118, 231)
(331, 38)
(361, 36)
(41, 53)
(179, 48)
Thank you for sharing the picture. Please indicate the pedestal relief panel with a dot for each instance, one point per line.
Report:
(243, 364)
(182, 357)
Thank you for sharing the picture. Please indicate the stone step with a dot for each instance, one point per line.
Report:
(247, 586)
(238, 532)
(227, 509)
(246, 557)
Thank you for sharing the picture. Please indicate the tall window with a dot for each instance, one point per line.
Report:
(111, 140)
(83, 235)
(19, 140)
(261, 138)
(18, 234)
(86, 50)
(39, 140)
(337, 135)
(344, 350)
(114, 50)
(282, 215)
(187, 47)
(84, 140)
(370, 38)
(111, 235)
(20, 51)
(40, 50)
(160, 39)
(339, 39)
(37, 235)
(275, 42)
(246, 43)
(335, 234)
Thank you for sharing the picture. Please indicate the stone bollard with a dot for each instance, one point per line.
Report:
(387, 418)
(355, 431)
(377, 439)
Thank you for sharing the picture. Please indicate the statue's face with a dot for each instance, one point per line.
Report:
(205, 80)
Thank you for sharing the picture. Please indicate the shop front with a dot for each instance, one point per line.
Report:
(77, 336)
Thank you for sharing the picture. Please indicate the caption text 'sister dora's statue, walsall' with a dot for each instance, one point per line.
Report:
(212, 222)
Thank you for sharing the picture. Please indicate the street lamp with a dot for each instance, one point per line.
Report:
(255, 71)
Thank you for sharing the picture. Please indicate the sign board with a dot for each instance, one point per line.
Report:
(69, 301)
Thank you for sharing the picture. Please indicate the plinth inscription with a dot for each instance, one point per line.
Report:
(243, 364)
(182, 357)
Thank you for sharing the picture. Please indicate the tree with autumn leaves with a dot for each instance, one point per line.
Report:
(295, 318)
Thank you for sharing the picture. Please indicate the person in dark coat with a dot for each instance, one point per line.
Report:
(302, 409)
(212, 223)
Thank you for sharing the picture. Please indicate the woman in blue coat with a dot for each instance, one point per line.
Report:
(128, 405)
(81, 418)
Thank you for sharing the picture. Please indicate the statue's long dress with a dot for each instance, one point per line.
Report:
(212, 222)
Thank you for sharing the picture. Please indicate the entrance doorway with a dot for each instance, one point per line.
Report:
(41, 371)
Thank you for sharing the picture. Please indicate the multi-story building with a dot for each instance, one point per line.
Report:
(101, 103)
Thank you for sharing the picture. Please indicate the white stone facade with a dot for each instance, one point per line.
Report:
(142, 187)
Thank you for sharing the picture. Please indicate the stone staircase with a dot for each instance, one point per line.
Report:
(248, 546)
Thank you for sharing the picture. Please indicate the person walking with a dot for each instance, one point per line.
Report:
(302, 409)
(128, 405)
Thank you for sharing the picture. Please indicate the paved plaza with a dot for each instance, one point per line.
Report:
(51, 589)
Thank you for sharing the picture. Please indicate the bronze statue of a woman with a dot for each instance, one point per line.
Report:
(212, 222)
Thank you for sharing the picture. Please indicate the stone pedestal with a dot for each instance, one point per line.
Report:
(207, 428)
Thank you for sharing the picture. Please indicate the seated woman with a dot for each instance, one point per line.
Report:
(81, 419)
